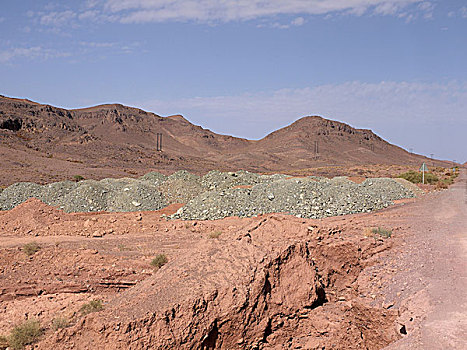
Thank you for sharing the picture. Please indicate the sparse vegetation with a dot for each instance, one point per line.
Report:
(417, 177)
(383, 232)
(215, 234)
(92, 306)
(31, 248)
(3, 342)
(59, 323)
(439, 176)
(24, 334)
(123, 248)
(159, 261)
(78, 178)
(444, 183)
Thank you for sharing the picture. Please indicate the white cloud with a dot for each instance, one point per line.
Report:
(103, 48)
(140, 11)
(403, 111)
(427, 9)
(215, 11)
(387, 9)
(89, 15)
(299, 21)
(97, 44)
(36, 52)
(2, 19)
(397, 100)
(463, 12)
(57, 18)
(91, 4)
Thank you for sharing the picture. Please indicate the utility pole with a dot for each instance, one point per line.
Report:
(316, 148)
(159, 142)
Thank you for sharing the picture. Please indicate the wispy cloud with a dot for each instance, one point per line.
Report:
(140, 11)
(296, 22)
(425, 9)
(55, 18)
(104, 48)
(463, 12)
(97, 44)
(35, 52)
(439, 109)
(2, 19)
(214, 11)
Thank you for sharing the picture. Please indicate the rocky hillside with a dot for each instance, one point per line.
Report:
(42, 143)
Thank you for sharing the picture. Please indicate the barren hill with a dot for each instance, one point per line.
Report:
(42, 143)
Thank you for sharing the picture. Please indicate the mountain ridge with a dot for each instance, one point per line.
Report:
(115, 136)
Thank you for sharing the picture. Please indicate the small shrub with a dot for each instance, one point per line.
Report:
(92, 306)
(383, 232)
(3, 342)
(59, 323)
(31, 248)
(78, 178)
(24, 334)
(215, 234)
(441, 185)
(159, 261)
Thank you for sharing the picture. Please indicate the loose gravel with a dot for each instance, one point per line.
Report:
(19, 193)
(306, 198)
(216, 195)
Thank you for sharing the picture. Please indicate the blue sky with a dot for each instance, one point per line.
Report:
(248, 67)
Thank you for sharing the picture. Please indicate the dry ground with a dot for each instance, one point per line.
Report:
(376, 289)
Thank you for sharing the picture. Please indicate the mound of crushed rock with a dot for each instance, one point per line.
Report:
(215, 195)
(306, 198)
(115, 195)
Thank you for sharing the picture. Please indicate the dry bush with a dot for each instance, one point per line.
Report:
(59, 323)
(92, 306)
(24, 334)
(31, 248)
(215, 234)
(3, 342)
(159, 261)
(383, 232)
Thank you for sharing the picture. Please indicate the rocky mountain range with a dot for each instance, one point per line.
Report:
(42, 143)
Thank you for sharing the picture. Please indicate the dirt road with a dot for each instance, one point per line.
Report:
(432, 274)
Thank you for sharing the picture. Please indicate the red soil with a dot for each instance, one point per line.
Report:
(271, 281)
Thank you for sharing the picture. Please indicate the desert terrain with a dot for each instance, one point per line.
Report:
(274, 281)
(43, 144)
(323, 249)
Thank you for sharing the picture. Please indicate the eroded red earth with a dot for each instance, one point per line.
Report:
(270, 282)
